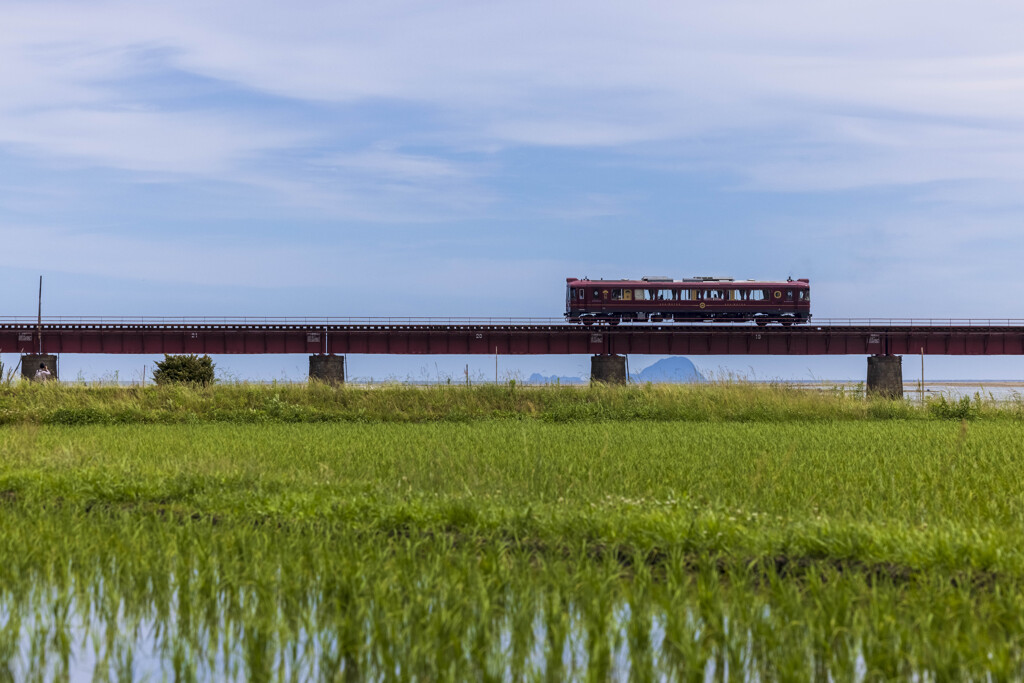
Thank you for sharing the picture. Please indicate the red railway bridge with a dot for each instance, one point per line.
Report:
(327, 340)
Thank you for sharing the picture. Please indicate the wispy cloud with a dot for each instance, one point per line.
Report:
(529, 73)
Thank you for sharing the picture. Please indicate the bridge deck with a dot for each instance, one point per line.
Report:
(507, 336)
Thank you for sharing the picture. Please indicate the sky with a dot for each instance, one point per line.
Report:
(449, 158)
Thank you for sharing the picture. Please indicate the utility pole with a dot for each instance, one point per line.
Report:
(39, 316)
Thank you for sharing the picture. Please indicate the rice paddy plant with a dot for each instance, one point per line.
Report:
(120, 594)
(293, 533)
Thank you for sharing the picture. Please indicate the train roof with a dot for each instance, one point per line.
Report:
(699, 281)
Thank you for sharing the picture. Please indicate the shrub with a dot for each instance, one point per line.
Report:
(954, 409)
(187, 369)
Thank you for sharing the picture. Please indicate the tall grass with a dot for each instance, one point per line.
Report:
(53, 403)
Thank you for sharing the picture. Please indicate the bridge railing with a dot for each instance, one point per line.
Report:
(309, 321)
(23, 322)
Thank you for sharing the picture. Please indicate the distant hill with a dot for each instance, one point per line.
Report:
(537, 378)
(675, 370)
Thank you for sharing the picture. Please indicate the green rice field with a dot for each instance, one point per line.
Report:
(498, 533)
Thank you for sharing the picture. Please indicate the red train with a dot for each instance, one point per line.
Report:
(657, 299)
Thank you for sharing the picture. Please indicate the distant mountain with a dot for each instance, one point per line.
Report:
(537, 378)
(675, 370)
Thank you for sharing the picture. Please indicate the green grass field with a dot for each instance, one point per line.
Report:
(498, 533)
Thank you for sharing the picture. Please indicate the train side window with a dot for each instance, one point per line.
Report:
(616, 294)
(582, 292)
(664, 294)
(756, 294)
(597, 294)
(789, 295)
(572, 292)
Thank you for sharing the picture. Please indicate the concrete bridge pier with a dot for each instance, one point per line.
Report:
(30, 364)
(327, 368)
(885, 376)
(610, 369)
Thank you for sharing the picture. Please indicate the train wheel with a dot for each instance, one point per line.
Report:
(786, 322)
(588, 322)
(761, 322)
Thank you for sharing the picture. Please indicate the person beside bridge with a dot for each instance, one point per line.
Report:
(43, 374)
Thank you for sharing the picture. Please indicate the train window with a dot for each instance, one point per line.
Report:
(664, 294)
(640, 295)
(616, 294)
(597, 294)
(756, 294)
(582, 292)
(572, 292)
(789, 295)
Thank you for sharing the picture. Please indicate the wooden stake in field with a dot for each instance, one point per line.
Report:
(922, 375)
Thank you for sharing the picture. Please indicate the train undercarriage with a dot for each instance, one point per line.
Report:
(761, 319)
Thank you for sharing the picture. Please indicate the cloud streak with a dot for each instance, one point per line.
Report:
(898, 87)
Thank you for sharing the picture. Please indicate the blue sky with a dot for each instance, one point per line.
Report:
(463, 158)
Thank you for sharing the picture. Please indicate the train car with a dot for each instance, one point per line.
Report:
(712, 299)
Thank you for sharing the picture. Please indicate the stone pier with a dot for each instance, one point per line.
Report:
(30, 364)
(608, 369)
(885, 376)
(327, 368)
